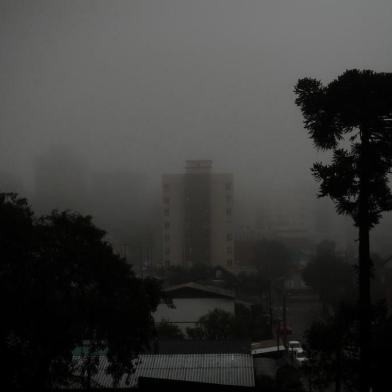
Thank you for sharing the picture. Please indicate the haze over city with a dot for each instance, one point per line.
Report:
(140, 86)
(195, 194)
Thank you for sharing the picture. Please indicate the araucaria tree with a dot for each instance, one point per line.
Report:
(352, 117)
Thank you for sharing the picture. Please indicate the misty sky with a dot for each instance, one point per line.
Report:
(144, 85)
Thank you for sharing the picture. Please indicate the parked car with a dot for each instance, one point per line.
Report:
(294, 345)
(296, 352)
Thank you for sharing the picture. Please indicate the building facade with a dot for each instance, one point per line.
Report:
(192, 301)
(197, 217)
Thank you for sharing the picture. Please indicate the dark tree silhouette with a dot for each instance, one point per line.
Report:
(168, 330)
(215, 325)
(351, 116)
(61, 286)
(273, 259)
(330, 276)
(332, 350)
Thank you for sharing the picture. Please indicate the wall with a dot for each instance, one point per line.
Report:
(188, 310)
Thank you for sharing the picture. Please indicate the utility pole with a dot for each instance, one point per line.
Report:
(269, 299)
(284, 319)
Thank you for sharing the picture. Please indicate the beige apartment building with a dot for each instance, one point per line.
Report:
(197, 217)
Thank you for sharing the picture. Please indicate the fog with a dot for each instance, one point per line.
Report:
(100, 98)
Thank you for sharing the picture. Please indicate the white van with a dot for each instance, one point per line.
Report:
(296, 352)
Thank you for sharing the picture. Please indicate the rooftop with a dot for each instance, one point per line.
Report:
(203, 290)
(223, 369)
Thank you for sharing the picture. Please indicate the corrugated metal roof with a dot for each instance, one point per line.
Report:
(224, 369)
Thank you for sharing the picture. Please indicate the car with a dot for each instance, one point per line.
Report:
(294, 345)
(296, 352)
(299, 358)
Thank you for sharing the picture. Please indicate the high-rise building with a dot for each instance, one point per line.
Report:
(197, 217)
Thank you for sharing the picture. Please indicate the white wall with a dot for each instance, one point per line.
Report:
(187, 311)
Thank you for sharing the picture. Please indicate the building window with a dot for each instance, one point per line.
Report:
(167, 263)
(167, 237)
(228, 199)
(167, 225)
(167, 212)
(166, 187)
(229, 237)
(229, 262)
(228, 186)
(167, 251)
(228, 211)
(166, 200)
(229, 249)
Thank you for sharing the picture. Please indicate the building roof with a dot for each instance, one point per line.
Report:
(268, 350)
(223, 369)
(264, 344)
(193, 289)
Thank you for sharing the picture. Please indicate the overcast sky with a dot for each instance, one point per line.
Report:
(144, 85)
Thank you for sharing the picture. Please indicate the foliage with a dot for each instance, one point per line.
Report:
(219, 324)
(329, 275)
(254, 284)
(288, 379)
(61, 285)
(333, 350)
(168, 330)
(273, 259)
(382, 348)
(352, 117)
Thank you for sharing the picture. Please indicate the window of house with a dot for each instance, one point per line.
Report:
(229, 262)
(229, 249)
(167, 237)
(167, 263)
(167, 251)
(228, 211)
(229, 237)
(166, 200)
(167, 225)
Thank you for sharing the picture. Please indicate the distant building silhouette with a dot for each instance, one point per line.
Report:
(197, 217)
(60, 180)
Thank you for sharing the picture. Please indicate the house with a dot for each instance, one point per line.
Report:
(193, 300)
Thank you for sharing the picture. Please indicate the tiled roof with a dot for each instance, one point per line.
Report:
(223, 369)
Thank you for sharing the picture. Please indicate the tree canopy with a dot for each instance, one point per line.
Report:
(330, 276)
(353, 109)
(273, 259)
(352, 117)
(61, 285)
(168, 330)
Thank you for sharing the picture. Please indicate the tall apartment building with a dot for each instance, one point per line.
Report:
(197, 217)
